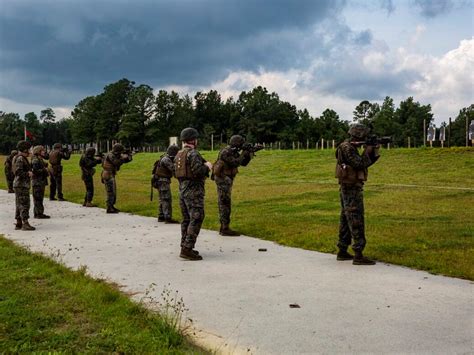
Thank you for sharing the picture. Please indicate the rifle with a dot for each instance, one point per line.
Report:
(373, 140)
(151, 190)
(252, 148)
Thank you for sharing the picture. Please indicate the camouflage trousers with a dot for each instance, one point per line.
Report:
(165, 209)
(38, 196)
(89, 183)
(351, 223)
(9, 177)
(56, 185)
(192, 209)
(224, 198)
(22, 203)
(111, 189)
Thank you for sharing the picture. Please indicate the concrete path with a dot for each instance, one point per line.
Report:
(239, 297)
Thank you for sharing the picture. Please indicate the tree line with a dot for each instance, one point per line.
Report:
(137, 117)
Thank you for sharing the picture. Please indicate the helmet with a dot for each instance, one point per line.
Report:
(23, 146)
(117, 148)
(57, 146)
(37, 149)
(188, 134)
(90, 151)
(236, 141)
(13, 152)
(172, 150)
(358, 131)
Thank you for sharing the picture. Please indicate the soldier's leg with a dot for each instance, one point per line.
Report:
(344, 232)
(161, 215)
(89, 183)
(17, 204)
(37, 201)
(114, 189)
(59, 184)
(9, 177)
(196, 213)
(24, 199)
(109, 189)
(224, 189)
(186, 218)
(52, 186)
(165, 200)
(354, 213)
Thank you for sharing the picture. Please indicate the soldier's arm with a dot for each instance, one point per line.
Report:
(197, 166)
(351, 157)
(155, 166)
(245, 158)
(167, 163)
(37, 166)
(65, 155)
(21, 168)
(230, 159)
(116, 161)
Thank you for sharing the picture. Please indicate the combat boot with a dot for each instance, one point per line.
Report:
(10, 191)
(53, 199)
(26, 226)
(344, 255)
(18, 224)
(112, 210)
(43, 216)
(170, 221)
(190, 254)
(116, 209)
(88, 204)
(359, 259)
(161, 219)
(227, 232)
(61, 199)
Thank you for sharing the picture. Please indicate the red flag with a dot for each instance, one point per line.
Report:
(28, 134)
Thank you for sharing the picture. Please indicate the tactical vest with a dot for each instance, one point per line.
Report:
(55, 157)
(14, 162)
(181, 166)
(162, 171)
(220, 168)
(346, 174)
(108, 166)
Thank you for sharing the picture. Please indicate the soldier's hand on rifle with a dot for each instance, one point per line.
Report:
(30, 173)
(208, 164)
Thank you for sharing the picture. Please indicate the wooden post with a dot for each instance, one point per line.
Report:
(424, 132)
(409, 145)
(467, 132)
(307, 144)
(322, 143)
(212, 142)
(333, 144)
(449, 133)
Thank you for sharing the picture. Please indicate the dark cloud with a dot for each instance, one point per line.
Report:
(79, 46)
(433, 8)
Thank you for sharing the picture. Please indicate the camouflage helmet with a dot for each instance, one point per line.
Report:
(189, 134)
(172, 150)
(57, 146)
(90, 151)
(358, 131)
(13, 152)
(118, 148)
(37, 149)
(236, 141)
(23, 146)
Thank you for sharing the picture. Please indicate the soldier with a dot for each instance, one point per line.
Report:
(21, 185)
(87, 163)
(39, 180)
(351, 171)
(56, 171)
(224, 172)
(111, 164)
(163, 170)
(8, 170)
(191, 170)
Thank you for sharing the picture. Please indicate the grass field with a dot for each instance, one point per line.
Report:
(419, 203)
(46, 307)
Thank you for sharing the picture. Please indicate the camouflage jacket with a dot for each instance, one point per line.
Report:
(57, 155)
(199, 170)
(112, 162)
(39, 167)
(21, 168)
(230, 159)
(352, 167)
(87, 164)
(163, 169)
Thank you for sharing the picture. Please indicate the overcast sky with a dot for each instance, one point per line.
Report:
(316, 54)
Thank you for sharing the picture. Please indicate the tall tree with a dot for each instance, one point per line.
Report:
(47, 115)
(11, 131)
(410, 116)
(365, 112)
(458, 126)
(84, 119)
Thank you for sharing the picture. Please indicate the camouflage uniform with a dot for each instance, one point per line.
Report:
(191, 195)
(111, 165)
(21, 185)
(351, 171)
(56, 172)
(231, 159)
(39, 181)
(87, 163)
(8, 170)
(163, 170)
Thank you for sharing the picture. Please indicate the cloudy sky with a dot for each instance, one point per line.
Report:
(314, 53)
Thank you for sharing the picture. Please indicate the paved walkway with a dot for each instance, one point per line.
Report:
(239, 297)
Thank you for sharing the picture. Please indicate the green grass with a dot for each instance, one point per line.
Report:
(46, 307)
(292, 197)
